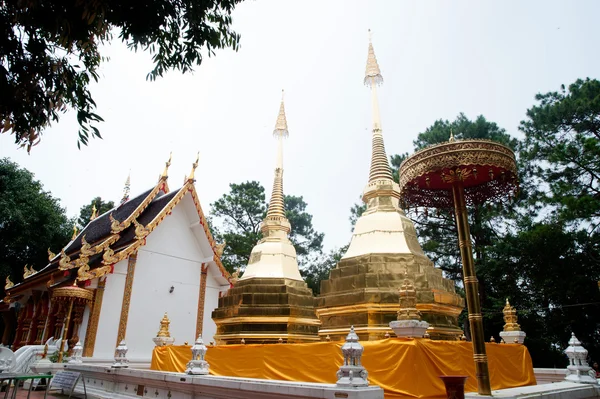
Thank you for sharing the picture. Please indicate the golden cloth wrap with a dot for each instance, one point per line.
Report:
(402, 367)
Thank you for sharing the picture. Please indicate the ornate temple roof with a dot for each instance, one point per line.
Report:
(114, 235)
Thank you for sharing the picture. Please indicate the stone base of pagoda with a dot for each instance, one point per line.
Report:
(266, 311)
(363, 292)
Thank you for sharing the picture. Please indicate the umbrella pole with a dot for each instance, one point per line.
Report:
(471, 289)
(65, 332)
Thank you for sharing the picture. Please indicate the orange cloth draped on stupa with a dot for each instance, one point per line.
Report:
(402, 367)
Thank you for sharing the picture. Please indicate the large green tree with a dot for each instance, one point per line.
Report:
(85, 213)
(240, 213)
(562, 147)
(50, 51)
(31, 221)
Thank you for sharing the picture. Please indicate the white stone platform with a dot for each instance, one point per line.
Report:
(103, 382)
(557, 390)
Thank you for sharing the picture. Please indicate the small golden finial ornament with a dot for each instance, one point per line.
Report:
(164, 174)
(94, 212)
(463, 337)
(27, 272)
(426, 335)
(387, 335)
(510, 318)
(408, 300)
(164, 327)
(51, 255)
(451, 139)
(191, 177)
(280, 340)
(243, 341)
(219, 248)
(492, 339)
(327, 338)
(9, 284)
(185, 343)
(75, 232)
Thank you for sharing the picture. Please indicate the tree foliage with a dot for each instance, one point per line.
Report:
(241, 212)
(31, 221)
(562, 146)
(85, 213)
(50, 51)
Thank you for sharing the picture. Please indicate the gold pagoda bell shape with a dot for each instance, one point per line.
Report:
(510, 318)
(270, 303)
(163, 332)
(363, 289)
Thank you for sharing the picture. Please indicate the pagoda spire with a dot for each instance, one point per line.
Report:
(380, 168)
(126, 189)
(276, 209)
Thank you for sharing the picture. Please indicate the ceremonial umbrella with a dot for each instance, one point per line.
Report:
(452, 175)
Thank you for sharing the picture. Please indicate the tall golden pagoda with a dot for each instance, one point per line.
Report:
(270, 303)
(363, 289)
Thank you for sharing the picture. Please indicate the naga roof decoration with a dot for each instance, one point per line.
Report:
(117, 234)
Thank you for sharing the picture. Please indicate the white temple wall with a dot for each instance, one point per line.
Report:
(211, 302)
(84, 324)
(170, 258)
(110, 313)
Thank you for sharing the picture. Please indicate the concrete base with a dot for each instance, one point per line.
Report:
(558, 390)
(103, 383)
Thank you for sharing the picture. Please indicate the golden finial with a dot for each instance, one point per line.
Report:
(373, 73)
(64, 262)
(126, 189)
(191, 177)
(281, 128)
(51, 255)
(94, 212)
(167, 164)
(164, 327)
(75, 232)
(9, 284)
(408, 300)
(115, 226)
(86, 248)
(510, 318)
(141, 231)
(451, 139)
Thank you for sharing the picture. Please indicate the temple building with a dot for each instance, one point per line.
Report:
(363, 288)
(271, 302)
(151, 254)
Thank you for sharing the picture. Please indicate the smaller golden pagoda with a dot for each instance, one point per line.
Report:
(512, 330)
(163, 337)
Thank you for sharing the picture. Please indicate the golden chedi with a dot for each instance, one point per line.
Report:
(270, 303)
(363, 289)
(512, 330)
(163, 337)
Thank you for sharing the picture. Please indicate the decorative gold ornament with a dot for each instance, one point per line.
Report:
(219, 248)
(235, 276)
(164, 327)
(51, 255)
(191, 177)
(109, 257)
(463, 337)
(50, 282)
(510, 318)
(141, 231)
(408, 301)
(94, 212)
(165, 175)
(84, 273)
(116, 226)
(86, 248)
(9, 284)
(75, 232)
(28, 272)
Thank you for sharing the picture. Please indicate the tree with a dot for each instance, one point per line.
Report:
(562, 146)
(31, 221)
(85, 213)
(241, 212)
(50, 51)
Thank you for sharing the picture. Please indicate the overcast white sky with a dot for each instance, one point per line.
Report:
(438, 58)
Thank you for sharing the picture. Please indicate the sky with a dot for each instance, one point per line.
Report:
(437, 58)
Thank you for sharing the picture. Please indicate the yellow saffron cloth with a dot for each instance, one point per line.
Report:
(402, 367)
